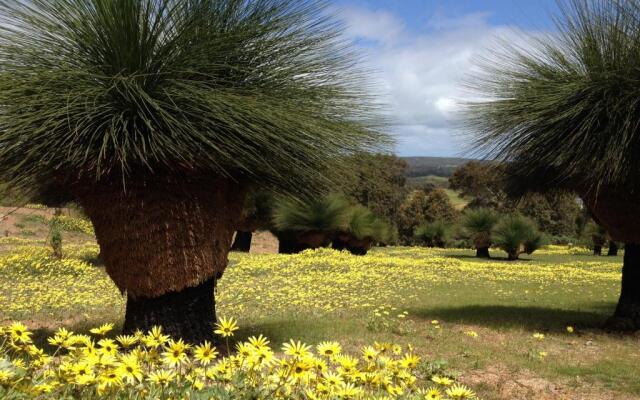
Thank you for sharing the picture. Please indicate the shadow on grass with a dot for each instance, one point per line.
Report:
(41, 334)
(525, 317)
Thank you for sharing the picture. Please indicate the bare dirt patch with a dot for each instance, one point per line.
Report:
(524, 385)
(264, 242)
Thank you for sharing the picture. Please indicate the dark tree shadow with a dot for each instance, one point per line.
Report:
(40, 335)
(525, 317)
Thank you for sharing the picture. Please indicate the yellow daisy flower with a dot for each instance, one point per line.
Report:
(102, 330)
(226, 327)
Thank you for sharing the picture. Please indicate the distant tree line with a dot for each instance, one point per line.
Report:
(375, 193)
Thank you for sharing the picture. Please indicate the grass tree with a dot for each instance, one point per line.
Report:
(598, 236)
(433, 234)
(362, 230)
(479, 224)
(516, 234)
(310, 224)
(158, 116)
(563, 111)
(256, 214)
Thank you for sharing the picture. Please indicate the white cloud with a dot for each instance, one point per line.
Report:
(423, 73)
(376, 26)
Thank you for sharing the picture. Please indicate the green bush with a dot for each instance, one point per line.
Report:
(55, 241)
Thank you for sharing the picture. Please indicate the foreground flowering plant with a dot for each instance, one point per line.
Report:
(153, 365)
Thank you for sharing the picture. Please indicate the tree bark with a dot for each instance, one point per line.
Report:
(242, 242)
(613, 248)
(287, 243)
(188, 314)
(338, 244)
(627, 314)
(597, 250)
(482, 252)
(164, 244)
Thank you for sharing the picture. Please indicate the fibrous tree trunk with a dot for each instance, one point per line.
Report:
(513, 254)
(242, 241)
(618, 212)
(482, 252)
(597, 250)
(338, 243)
(287, 243)
(188, 314)
(359, 247)
(627, 314)
(613, 248)
(286, 246)
(296, 242)
(164, 244)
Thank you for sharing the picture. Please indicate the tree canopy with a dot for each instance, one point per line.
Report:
(265, 91)
(563, 110)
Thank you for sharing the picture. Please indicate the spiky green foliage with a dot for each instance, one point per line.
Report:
(328, 214)
(363, 224)
(479, 223)
(515, 233)
(433, 234)
(564, 108)
(257, 211)
(534, 242)
(263, 90)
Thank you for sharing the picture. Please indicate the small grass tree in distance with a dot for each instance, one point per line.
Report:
(563, 112)
(433, 234)
(516, 234)
(598, 236)
(256, 214)
(363, 230)
(159, 116)
(301, 225)
(479, 224)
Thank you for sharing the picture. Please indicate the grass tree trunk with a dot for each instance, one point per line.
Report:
(164, 244)
(288, 246)
(613, 248)
(359, 247)
(338, 243)
(482, 252)
(627, 314)
(597, 250)
(188, 313)
(513, 254)
(287, 243)
(242, 241)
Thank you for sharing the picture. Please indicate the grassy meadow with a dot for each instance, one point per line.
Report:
(500, 327)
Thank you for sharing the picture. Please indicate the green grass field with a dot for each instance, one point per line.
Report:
(326, 295)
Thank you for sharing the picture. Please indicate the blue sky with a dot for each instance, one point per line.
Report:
(424, 49)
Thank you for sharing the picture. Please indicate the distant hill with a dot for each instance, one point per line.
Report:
(435, 166)
(435, 172)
